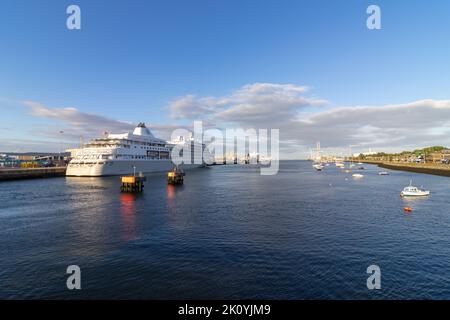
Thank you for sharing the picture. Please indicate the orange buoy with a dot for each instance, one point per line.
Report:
(408, 209)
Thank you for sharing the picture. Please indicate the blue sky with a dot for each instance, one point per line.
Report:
(132, 59)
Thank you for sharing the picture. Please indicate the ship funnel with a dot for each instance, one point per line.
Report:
(142, 130)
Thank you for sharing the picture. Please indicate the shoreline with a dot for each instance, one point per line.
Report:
(436, 169)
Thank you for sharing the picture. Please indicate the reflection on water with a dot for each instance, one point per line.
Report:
(91, 182)
(91, 214)
(177, 208)
(128, 213)
(412, 200)
(170, 192)
(171, 203)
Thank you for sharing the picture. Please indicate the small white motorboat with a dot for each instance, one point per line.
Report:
(357, 176)
(411, 191)
(383, 173)
(318, 166)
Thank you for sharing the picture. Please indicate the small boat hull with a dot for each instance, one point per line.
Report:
(318, 167)
(415, 194)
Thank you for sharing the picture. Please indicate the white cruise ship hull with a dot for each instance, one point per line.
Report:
(122, 167)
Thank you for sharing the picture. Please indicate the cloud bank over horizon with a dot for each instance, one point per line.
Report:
(301, 118)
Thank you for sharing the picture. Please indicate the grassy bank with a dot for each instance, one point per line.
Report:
(427, 168)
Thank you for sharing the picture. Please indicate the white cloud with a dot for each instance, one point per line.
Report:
(78, 122)
(258, 102)
(420, 123)
(28, 145)
(192, 107)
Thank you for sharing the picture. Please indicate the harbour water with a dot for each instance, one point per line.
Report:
(227, 233)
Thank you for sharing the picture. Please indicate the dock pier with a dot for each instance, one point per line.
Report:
(31, 173)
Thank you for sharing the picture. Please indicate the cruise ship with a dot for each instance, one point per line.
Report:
(127, 153)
